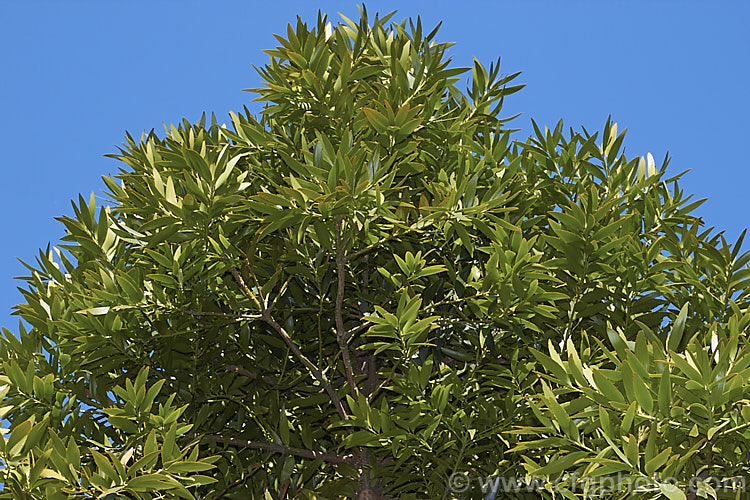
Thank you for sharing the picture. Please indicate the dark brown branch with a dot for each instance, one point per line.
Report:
(283, 450)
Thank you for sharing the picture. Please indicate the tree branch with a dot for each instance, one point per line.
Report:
(371, 247)
(455, 301)
(314, 370)
(241, 282)
(281, 449)
(343, 339)
(247, 373)
(90, 395)
(241, 371)
(341, 335)
(281, 292)
(358, 328)
(709, 447)
(374, 394)
(267, 317)
(240, 317)
(369, 367)
(420, 224)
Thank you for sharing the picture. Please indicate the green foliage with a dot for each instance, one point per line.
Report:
(370, 287)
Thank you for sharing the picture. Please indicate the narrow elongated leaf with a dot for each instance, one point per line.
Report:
(655, 463)
(678, 328)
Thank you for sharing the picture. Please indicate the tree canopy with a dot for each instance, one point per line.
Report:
(376, 288)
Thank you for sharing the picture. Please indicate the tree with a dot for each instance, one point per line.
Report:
(373, 288)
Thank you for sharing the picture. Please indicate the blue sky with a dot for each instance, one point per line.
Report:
(76, 75)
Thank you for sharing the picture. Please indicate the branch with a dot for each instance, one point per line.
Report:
(342, 338)
(709, 447)
(246, 265)
(240, 317)
(281, 292)
(237, 482)
(90, 395)
(272, 381)
(372, 246)
(281, 449)
(341, 334)
(241, 371)
(455, 301)
(314, 370)
(358, 328)
(242, 284)
(247, 373)
(374, 394)
(420, 224)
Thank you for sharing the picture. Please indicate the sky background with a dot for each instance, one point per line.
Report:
(74, 76)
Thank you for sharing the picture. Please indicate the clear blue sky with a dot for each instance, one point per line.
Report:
(76, 75)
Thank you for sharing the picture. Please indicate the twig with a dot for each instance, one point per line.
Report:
(284, 489)
(240, 317)
(246, 265)
(314, 370)
(281, 449)
(372, 246)
(709, 447)
(247, 373)
(266, 316)
(341, 336)
(241, 371)
(281, 292)
(231, 485)
(455, 301)
(374, 394)
(245, 289)
(420, 224)
(353, 331)
(91, 396)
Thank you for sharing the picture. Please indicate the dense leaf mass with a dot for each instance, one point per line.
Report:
(374, 285)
